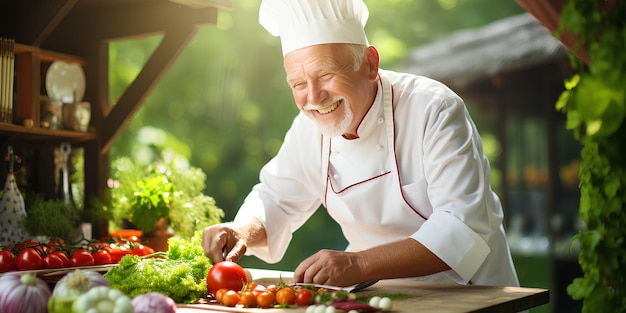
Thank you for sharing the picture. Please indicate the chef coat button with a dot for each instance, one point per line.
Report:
(336, 176)
(380, 120)
(379, 147)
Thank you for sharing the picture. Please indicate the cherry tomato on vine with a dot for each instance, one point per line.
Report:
(304, 297)
(220, 294)
(265, 299)
(247, 299)
(119, 251)
(8, 261)
(53, 261)
(231, 298)
(142, 250)
(286, 295)
(226, 274)
(101, 257)
(81, 258)
(63, 257)
(29, 259)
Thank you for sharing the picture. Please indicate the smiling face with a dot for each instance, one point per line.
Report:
(329, 90)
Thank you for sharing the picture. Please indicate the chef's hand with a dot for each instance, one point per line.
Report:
(330, 267)
(229, 241)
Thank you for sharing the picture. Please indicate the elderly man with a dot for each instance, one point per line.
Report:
(394, 158)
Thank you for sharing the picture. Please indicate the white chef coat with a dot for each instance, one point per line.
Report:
(417, 170)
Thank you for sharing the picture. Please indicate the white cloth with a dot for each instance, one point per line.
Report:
(441, 173)
(302, 23)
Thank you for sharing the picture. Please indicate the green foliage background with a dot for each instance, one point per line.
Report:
(225, 104)
(595, 103)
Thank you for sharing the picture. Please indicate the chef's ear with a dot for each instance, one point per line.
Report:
(373, 60)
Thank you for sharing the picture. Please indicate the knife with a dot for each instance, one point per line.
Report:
(353, 288)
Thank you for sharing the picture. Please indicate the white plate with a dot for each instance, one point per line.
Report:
(65, 82)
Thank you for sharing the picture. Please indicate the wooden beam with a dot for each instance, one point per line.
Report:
(54, 22)
(135, 19)
(133, 98)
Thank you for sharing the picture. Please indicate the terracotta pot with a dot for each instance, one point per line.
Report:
(157, 239)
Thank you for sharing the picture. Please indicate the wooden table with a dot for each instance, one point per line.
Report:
(425, 297)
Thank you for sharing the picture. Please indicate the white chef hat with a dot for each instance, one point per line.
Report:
(302, 23)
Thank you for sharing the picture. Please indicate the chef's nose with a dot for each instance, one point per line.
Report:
(316, 94)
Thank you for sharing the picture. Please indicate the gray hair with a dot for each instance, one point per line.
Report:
(358, 54)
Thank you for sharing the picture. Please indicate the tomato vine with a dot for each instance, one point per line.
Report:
(595, 104)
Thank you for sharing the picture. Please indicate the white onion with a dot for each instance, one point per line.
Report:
(23, 293)
(78, 282)
(71, 286)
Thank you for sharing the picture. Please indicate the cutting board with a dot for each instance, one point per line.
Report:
(423, 297)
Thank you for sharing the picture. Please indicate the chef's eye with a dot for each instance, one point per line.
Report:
(298, 85)
(326, 76)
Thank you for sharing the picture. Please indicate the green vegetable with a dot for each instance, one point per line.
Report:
(102, 300)
(180, 275)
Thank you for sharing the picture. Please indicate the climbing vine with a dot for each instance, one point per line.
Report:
(595, 104)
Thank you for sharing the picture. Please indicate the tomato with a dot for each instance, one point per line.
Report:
(29, 259)
(142, 250)
(265, 299)
(53, 261)
(304, 297)
(119, 251)
(226, 274)
(81, 258)
(220, 294)
(63, 257)
(231, 298)
(8, 261)
(286, 295)
(247, 299)
(101, 257)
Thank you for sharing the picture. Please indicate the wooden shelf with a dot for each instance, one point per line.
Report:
(48, 56)
(46, 134)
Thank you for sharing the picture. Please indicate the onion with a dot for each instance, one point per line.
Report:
(71, 286)
(153, 302)
(23, 293)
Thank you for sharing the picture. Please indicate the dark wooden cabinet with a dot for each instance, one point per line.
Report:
(80, 31)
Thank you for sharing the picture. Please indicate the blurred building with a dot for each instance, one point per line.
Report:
(511, 74)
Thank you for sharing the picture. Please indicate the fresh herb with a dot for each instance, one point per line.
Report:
(144, 193)
(180, 274)
(51, 218)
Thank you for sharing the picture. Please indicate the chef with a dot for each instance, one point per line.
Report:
(394, 158)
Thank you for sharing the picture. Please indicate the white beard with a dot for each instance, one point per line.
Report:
(336, 129)
(340, 128)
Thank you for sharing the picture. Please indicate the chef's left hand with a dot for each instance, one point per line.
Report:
(330, 267)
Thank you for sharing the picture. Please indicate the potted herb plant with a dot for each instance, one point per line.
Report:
(161, 199)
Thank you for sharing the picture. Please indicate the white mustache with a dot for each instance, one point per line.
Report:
(315, 107)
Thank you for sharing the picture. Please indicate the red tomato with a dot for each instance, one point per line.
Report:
(29, 259)
(63, 257)
(142, 250)
(101, 257)
(81, 258)
(119, 251)
(8, 261)
(53, 261)
(304, 297)
(226, 274)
